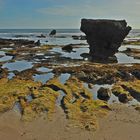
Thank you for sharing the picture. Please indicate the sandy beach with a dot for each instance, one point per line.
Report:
(122, 123)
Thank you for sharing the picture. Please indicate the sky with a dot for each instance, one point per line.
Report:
(65, 13)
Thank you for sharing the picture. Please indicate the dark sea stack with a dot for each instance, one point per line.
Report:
(104, 36)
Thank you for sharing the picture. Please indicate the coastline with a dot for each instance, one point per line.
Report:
(55, 92)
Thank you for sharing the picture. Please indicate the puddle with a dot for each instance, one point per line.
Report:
(10, 75)
(44, 69)
(123, 58)
(18, 65)
(60, 97)
(29, 98)
(124, 47)
(43, 77)
(75, 54)
(2, 53)
(95, 88)
(64, 77)
(17, 107)
(113, 98)
(5, 58)
(134, 102)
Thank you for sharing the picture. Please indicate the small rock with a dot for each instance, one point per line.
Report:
(52, 33)
(124, 98)
(90, 85)
(104, 93)
(67, 48)
(38, 43)
(136, 73)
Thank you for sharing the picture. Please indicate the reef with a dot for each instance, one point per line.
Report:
(104, 36)
(17, 91)
(35, 100)
(131, 90)
(78, 103)
(102, 73)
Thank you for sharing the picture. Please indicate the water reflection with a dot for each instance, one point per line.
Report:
(43, 77)
(5, 58)
(123, 58)
(64, 77)
(18, 65)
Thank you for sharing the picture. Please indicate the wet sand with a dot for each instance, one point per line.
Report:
(122, 123)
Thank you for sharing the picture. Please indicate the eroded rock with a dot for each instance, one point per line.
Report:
(104, 36)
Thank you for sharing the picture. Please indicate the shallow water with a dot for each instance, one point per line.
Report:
(95, 89)
(10, 75)
(75, 54)
(64, 77)
(43, 77)
(124, 47)
(123, 58)
(60, 97)
(113, 98)
(44, 69)
(29, 98)
(6, 58)
(17, 107)
(18, 65)
(2, 53)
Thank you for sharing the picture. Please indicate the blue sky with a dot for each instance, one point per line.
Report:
(65, 13)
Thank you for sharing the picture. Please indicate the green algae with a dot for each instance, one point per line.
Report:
(43, 102)
(131, 89)
(78, 104)
(17, 90)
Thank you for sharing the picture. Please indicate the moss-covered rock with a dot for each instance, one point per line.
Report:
(16, 90)
(127, 89)
(78, 103)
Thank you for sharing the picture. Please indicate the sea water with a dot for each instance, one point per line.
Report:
(64, 37)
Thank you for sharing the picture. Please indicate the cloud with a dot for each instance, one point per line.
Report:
(73, 11)
(121, 9)
(125, 7)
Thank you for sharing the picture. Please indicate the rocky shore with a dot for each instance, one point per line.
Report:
(56, 88)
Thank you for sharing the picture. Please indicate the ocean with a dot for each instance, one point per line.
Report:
(64, 37)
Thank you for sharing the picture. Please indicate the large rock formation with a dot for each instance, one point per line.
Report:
(104, 36)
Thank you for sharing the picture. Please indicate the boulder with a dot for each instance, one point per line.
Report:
(52, 33)
(68, 48)
(104, 36)
(124, 98)
(104, 93)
